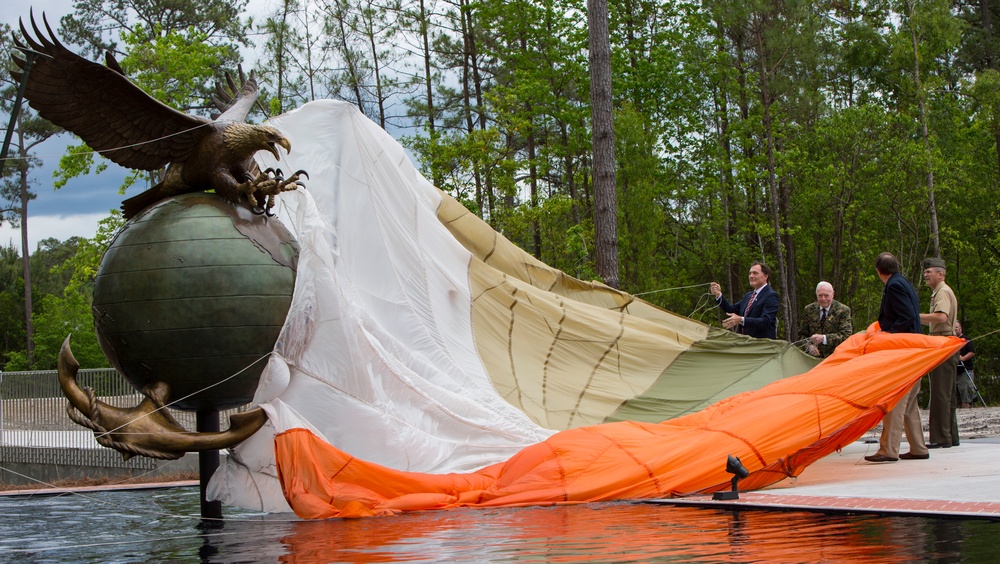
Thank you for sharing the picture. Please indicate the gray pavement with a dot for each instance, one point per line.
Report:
(969, 472)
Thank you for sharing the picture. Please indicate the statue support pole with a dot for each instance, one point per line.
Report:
(207, 421)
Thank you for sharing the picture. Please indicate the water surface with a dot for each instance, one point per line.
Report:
(163, 525)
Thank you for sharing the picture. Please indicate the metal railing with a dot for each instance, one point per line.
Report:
(33, 408)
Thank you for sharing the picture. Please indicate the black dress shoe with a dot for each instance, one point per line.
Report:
(955, 444)
(911, 456)
(938, 445)
(880, 458)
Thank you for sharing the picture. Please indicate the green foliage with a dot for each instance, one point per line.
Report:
(172, 66)
(56, 318)
(63, 275)
(12, 331)
(742, 128)
(96, 24)
(87, 259)
(77, 161)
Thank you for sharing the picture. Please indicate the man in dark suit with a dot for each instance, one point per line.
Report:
(900, 313)
(756, 314)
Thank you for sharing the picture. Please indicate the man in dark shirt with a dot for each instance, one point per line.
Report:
(964, 386)
(899, 313)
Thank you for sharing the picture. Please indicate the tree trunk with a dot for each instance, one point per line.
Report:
(468, 60)
(380, 96)
(605, 199)
(353, 73)
(425, 38)
(772, 183)
(485, 197)
(29, 326)
(987, 17)
(536, 228)
(932, 207)
(726, 167)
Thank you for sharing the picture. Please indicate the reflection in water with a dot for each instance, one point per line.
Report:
(139, 526)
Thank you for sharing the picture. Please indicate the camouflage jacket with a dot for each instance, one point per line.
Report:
(837, 326)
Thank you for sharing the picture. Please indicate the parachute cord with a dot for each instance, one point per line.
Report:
(92, 151)
(985, 335)
(669, 289)
(158, 408)
(701, 309)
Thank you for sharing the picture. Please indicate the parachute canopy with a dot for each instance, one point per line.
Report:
(420, 340)
(776, 432)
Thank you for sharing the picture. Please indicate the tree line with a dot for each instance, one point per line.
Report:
(809, 135)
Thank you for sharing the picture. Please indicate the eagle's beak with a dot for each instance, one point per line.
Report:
(284, 142)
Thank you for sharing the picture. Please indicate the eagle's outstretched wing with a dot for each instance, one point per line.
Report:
(99, 104)
(235, 103)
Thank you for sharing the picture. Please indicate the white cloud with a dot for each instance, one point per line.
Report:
(61, 227)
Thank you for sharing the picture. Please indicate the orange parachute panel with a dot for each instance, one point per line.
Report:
(776, 431)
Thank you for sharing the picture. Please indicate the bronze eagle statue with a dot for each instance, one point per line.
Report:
(120, 121)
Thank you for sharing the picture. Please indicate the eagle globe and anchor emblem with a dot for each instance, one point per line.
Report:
(192, 294)
(189, 301)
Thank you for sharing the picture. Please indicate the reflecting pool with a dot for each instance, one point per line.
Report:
(160, 525)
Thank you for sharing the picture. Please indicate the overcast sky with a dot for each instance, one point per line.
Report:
(76, 208)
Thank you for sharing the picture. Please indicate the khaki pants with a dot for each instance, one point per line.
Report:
(904, 417)
(942, 408)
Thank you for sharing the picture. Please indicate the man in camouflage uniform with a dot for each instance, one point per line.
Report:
(825, 323)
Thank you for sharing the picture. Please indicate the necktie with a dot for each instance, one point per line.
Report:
(822, 316)
(746, 310)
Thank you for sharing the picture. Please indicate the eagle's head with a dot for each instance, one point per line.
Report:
(245, 139)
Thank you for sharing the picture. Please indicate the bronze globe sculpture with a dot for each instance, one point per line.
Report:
(192, 292)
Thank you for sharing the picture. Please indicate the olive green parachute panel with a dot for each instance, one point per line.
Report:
(721, 366)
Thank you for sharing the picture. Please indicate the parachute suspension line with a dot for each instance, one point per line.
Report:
(985, 335)
(78, 153)
(703, 308)
(141, 143)
(223, 381)
(669, 289)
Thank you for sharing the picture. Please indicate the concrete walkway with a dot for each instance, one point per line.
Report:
(38, 492)
(961, 481)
